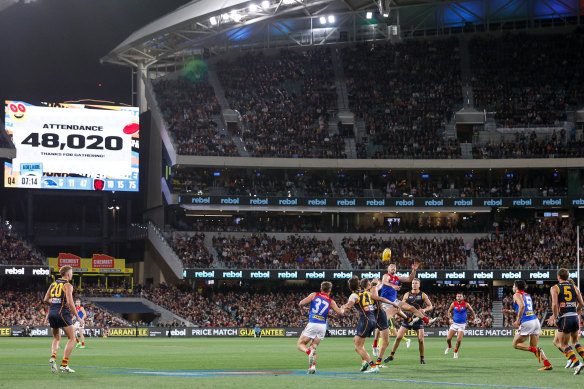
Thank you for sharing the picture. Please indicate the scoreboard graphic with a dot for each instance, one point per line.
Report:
(73, 146)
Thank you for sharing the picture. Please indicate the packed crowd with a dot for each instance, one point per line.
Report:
(14, 250)
(529, 145)
(378, 184)
(405, 93)
(26, 308)
(528, 79)
(284, 101)
(188, 109)
(260, 251)
(533, 244)
(365, 252)
(191, 250)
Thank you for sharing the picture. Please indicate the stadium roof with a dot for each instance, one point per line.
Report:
(217, 26)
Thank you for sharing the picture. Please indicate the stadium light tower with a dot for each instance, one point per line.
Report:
(384, 6)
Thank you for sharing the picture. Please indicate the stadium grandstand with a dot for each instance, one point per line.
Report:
(288, 142)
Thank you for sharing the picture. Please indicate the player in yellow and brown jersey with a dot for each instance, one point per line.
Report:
(61, 314)
(419, 300)
(365, 302)
(567, 306)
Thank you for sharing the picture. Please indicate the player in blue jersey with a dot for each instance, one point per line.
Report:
(320, 304)
(457, 313)
(567, 306)
(79, 328)
(61, 312)
(390, 285)
(528, 324)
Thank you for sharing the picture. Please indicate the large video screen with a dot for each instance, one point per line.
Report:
(73, 146)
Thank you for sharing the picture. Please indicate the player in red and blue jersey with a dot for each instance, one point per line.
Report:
(389, 287)
(320, 304)
(60, 296)
(567, 306)
(79, 328)
(528, 324)
(458, 313)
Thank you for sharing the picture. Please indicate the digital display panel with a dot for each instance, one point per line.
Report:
(73, 146)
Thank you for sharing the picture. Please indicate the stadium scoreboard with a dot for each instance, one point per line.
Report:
(73, 146)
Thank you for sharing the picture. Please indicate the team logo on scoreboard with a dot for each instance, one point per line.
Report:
(98, 184)
(131, 129)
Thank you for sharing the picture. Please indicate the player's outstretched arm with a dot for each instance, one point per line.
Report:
(450, 313)
(580, 304)
(429, 306)
(415, 266)
(472, 312)
(385, 281)
(307, 299)
(554, 291)
(336, 308)
(376, 296)
(47, 298)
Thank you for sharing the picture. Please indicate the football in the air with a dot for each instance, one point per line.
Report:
(386, 256)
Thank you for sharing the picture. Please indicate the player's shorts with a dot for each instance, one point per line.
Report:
(381, 320)
(315, 330)
(388, 306)
(60, 319)
(568, 324)
(457, 327)
(419, 325)
(365, 325)
(78, 325)
(531, 327)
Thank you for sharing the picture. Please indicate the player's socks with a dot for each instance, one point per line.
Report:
(378, 362)
(425, 320)
(422, 360)
(308, 352)
(533, 349)
(390, 358)
(83, 343)
(456, 351)
(570, 354)
(375, 343)
(546, 362)
(77, 340)
(65, 362)
(54, 355)
(562, 351)
(579, 349)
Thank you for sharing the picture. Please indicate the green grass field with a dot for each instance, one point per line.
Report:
(186, 363)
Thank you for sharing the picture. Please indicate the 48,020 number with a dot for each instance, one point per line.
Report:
(75, 141)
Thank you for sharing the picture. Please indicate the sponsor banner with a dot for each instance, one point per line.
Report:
(41, 331)
(129, 331)
(267, 332)
(24, 271)
(192, 332)
(376, 203)
(98, 263)
(444, 276)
